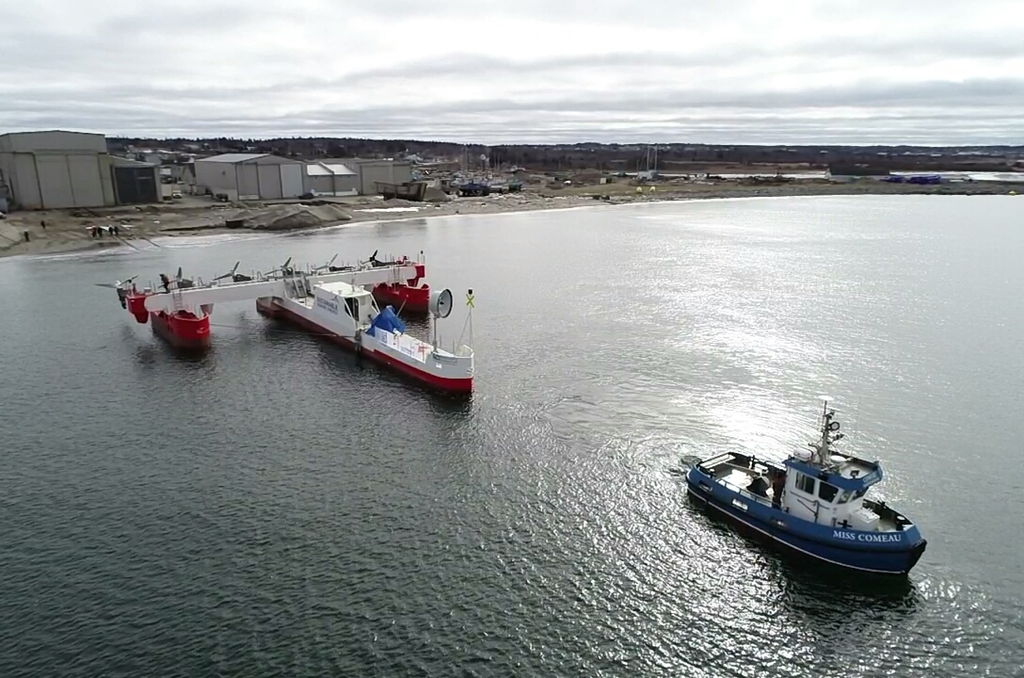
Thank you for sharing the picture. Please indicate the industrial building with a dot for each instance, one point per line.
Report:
(57, 169)
(250, 176)
(384, 171)
(265, 176)
(331, 178)
(46, 170)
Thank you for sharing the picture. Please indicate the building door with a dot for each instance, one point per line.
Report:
(269, 182)
(291, 180)
(135, 184)
(85, 180)
(54, 181)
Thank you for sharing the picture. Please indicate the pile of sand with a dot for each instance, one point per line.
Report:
(434, 194)
(287, 217)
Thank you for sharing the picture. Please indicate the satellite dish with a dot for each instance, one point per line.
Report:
(441, 303)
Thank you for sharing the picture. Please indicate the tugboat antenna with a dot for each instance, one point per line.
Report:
(821, 449)
(829, 434)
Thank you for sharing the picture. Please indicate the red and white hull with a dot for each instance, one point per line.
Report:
(182, 329)
(416, 359)
(404, 298)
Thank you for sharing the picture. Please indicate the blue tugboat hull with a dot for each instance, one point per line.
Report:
(878, 552)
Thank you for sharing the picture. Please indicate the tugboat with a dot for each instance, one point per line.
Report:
(813, 504)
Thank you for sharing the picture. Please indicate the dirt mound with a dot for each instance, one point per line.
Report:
(288, 217)
(434, 194)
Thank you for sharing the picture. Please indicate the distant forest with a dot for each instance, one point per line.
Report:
(605, 157)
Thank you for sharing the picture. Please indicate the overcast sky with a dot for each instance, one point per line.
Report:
(860, 71)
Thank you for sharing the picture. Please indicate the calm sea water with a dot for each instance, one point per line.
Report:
(277, 508)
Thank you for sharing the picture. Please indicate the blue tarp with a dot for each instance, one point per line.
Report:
(388, 320)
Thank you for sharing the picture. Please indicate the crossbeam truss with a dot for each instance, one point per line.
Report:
(222, 292)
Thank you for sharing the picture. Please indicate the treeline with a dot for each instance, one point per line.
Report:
(301, 147)
(607, 157)
(667, 157)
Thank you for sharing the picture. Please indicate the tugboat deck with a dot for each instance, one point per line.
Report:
(739, 478)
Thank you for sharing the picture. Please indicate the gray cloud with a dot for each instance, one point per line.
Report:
(526, 72)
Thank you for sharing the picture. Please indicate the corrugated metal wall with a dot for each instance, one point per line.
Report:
(219, 177)
(269, 178)
(49, 180)
(384, 170)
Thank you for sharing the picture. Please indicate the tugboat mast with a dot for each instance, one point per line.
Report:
(829, 434)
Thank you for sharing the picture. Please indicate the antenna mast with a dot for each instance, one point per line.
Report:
(829, 434)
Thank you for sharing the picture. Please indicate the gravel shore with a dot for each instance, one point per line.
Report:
(52, 231)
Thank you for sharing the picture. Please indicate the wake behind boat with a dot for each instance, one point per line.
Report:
(813, 504)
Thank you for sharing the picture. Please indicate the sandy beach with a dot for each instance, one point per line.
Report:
(54, 231)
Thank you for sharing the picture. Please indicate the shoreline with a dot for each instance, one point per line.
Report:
(67, 231)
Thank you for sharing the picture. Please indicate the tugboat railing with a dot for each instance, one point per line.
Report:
(744, 492)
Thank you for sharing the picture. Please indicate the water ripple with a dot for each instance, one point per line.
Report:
(278, 507)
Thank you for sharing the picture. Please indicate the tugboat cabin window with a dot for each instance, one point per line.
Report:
(353, 307)
(805, 483)
(845, 496)
(827, 492)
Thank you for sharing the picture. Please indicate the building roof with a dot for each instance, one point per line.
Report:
(323, 169)
(48, 131)
(118, 161)
(53, 140)
(356, 162)
(233, 157)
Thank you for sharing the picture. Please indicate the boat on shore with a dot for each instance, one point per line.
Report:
(814, 504)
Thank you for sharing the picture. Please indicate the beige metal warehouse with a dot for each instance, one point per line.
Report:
(56, 169)
(387, 171)
(331, 178)
(250, 176)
